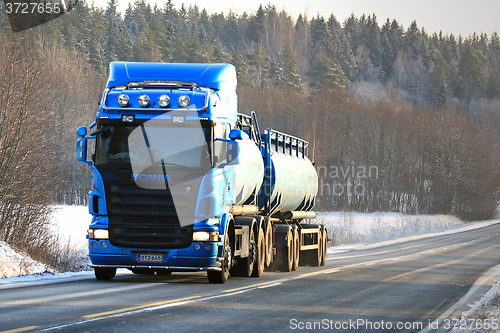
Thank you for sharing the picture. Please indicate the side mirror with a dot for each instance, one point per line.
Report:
(81, 150)
(236, 134)
(233, 152)
(81, 132)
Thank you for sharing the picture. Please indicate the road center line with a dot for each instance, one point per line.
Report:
(22, 329)
(139, 307)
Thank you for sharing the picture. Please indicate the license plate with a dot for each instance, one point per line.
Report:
(150, 257)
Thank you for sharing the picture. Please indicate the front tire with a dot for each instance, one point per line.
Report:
(221, 277)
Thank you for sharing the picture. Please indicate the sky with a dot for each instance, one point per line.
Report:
(451, 16)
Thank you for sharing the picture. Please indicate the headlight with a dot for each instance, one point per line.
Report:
(98, 234)
(205, 236)
(123, 100)
(163, 101)
(183, 100)
(143, 100)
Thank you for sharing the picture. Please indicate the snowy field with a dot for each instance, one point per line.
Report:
(353, 231)
(347, 228)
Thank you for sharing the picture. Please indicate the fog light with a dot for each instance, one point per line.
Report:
(143, 100)
(104, 244)
(208, 247)
(123, 100)
(178, 119)
(94, 243)
(196, 246)
(128, 119)
(163, 101)
(183, 100)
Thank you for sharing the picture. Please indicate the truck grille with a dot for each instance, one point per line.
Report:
(144, 218)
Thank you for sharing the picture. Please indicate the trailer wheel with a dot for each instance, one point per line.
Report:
(104, 273)
(258, 268)
(222, 276)
(325, 246)
(318, 254)
(296, 248)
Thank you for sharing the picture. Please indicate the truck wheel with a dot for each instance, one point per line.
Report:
(258, 268)
(318, 253)
(325, 246)
(104, 273)
(245, 266)
(269, 242)
(287, 253)
(296, 249)
(221, 276)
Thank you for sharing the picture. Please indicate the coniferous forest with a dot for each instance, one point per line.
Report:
(398, 118)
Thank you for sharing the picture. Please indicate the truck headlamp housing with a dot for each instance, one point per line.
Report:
(123, 100)
(183, 100)
(205, 236)
(143, 100)
(163, 101)
(98, 233)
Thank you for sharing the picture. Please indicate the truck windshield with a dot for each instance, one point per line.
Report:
(139, 146)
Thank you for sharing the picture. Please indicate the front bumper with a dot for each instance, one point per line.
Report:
(171, 268)
(197, 257)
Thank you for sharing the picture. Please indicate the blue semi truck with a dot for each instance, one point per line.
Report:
(181, 182)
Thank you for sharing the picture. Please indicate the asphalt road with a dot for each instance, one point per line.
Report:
(398, 288)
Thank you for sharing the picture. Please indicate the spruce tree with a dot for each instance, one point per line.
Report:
(326, 75)
(290, 74)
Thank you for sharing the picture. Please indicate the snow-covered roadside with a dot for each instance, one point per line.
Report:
(483, 316)
(13, 263)
(70, 223)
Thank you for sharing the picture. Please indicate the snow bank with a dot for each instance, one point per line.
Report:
(71, 224)
(13, 263)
